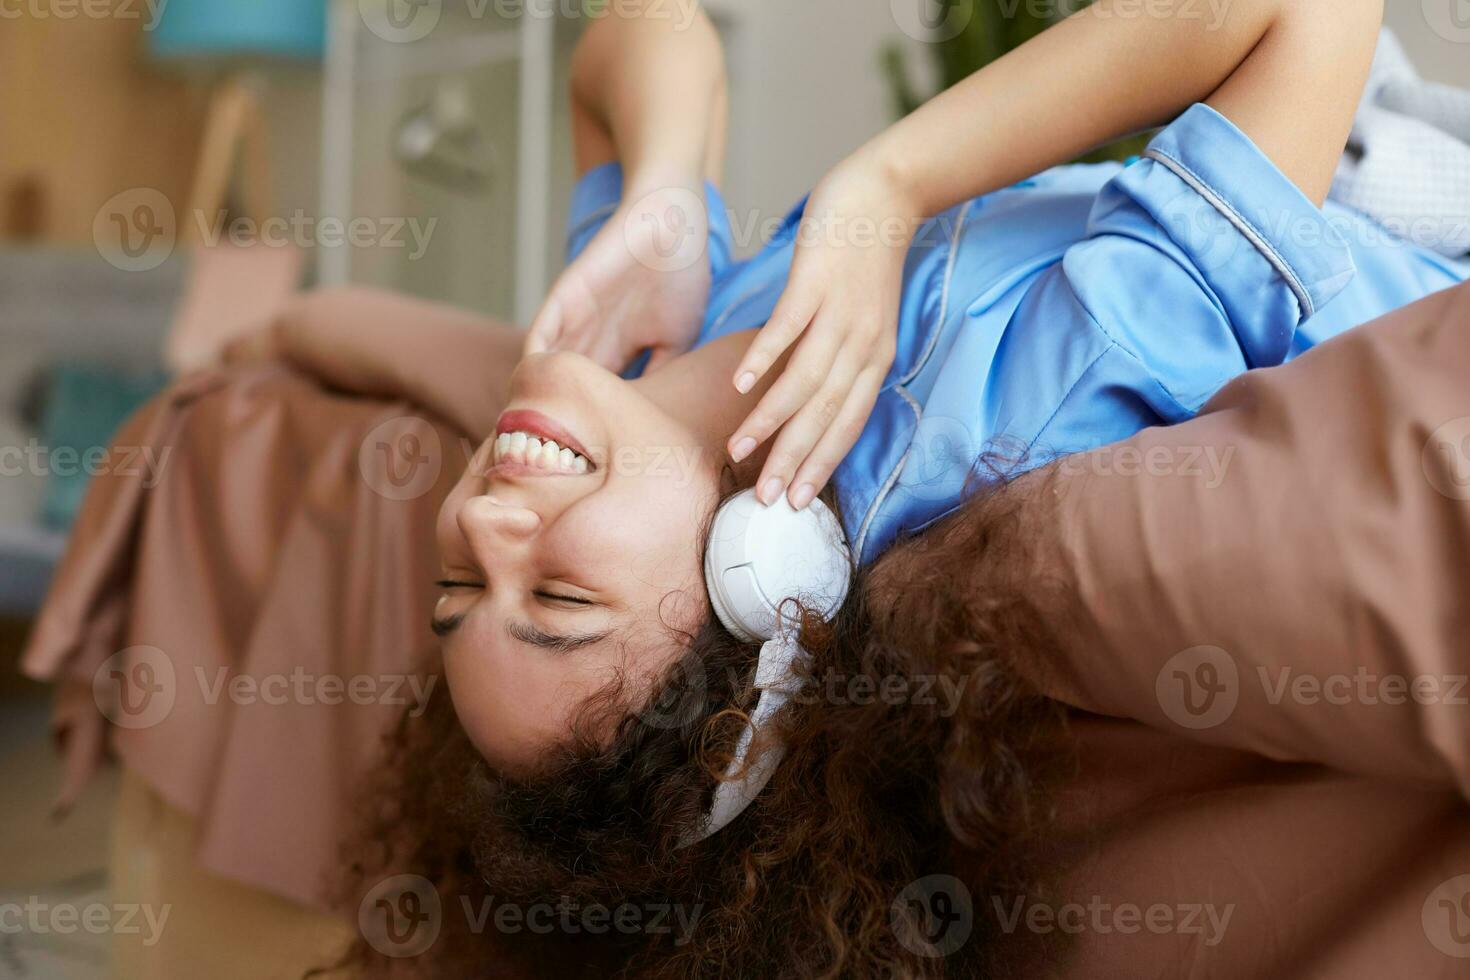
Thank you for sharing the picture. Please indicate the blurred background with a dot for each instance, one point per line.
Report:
(171, 170)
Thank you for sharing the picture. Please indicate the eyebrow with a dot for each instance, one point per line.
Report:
(566, 643)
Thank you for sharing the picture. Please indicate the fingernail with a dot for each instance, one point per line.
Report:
(743, 448)
(772, 490)
(745, 382)
(803, 495)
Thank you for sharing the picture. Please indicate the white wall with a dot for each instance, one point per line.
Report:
(1436, 34)
(807, 88)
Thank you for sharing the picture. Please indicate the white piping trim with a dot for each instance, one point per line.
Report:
(899, 386)
(954, 240)
(1268, 252)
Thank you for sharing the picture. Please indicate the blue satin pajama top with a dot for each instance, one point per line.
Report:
(1076, 308)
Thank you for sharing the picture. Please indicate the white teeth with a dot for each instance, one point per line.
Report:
(544, 454)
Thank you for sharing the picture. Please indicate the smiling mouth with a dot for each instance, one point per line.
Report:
(546, 455)
(539, 444)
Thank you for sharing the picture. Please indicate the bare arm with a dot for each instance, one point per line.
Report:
(1288, 73)
(648, 90)
(452, 362)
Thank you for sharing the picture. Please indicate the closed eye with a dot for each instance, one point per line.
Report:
(549, 641)
(556, 597)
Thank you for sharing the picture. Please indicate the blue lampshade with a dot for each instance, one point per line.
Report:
(209, 29)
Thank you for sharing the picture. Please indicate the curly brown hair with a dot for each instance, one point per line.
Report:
(880, 787)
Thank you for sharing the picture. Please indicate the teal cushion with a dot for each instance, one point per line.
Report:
(84, 406)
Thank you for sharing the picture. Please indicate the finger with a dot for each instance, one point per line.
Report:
(799, 437)
(809, 370)
(545, 328)
(792, 315)
(840, 437)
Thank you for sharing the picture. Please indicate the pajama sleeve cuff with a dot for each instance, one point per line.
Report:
(1250, 232)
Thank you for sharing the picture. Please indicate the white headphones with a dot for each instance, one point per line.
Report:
(758, 558)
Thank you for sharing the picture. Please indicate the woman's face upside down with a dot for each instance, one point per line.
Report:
(563, 579)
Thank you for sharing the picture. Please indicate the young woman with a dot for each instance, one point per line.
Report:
(594, 697)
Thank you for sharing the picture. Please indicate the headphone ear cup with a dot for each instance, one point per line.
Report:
(760, 556)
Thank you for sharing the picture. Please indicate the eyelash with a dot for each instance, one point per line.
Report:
(553, 596)
(574, 600)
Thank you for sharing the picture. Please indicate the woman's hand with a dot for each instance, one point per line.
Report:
(841, 304)
(642, 282)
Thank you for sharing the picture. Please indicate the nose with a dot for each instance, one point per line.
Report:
(493, 522)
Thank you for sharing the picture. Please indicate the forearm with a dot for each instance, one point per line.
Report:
(651, 87)
(1115, 68)
(454, 363)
